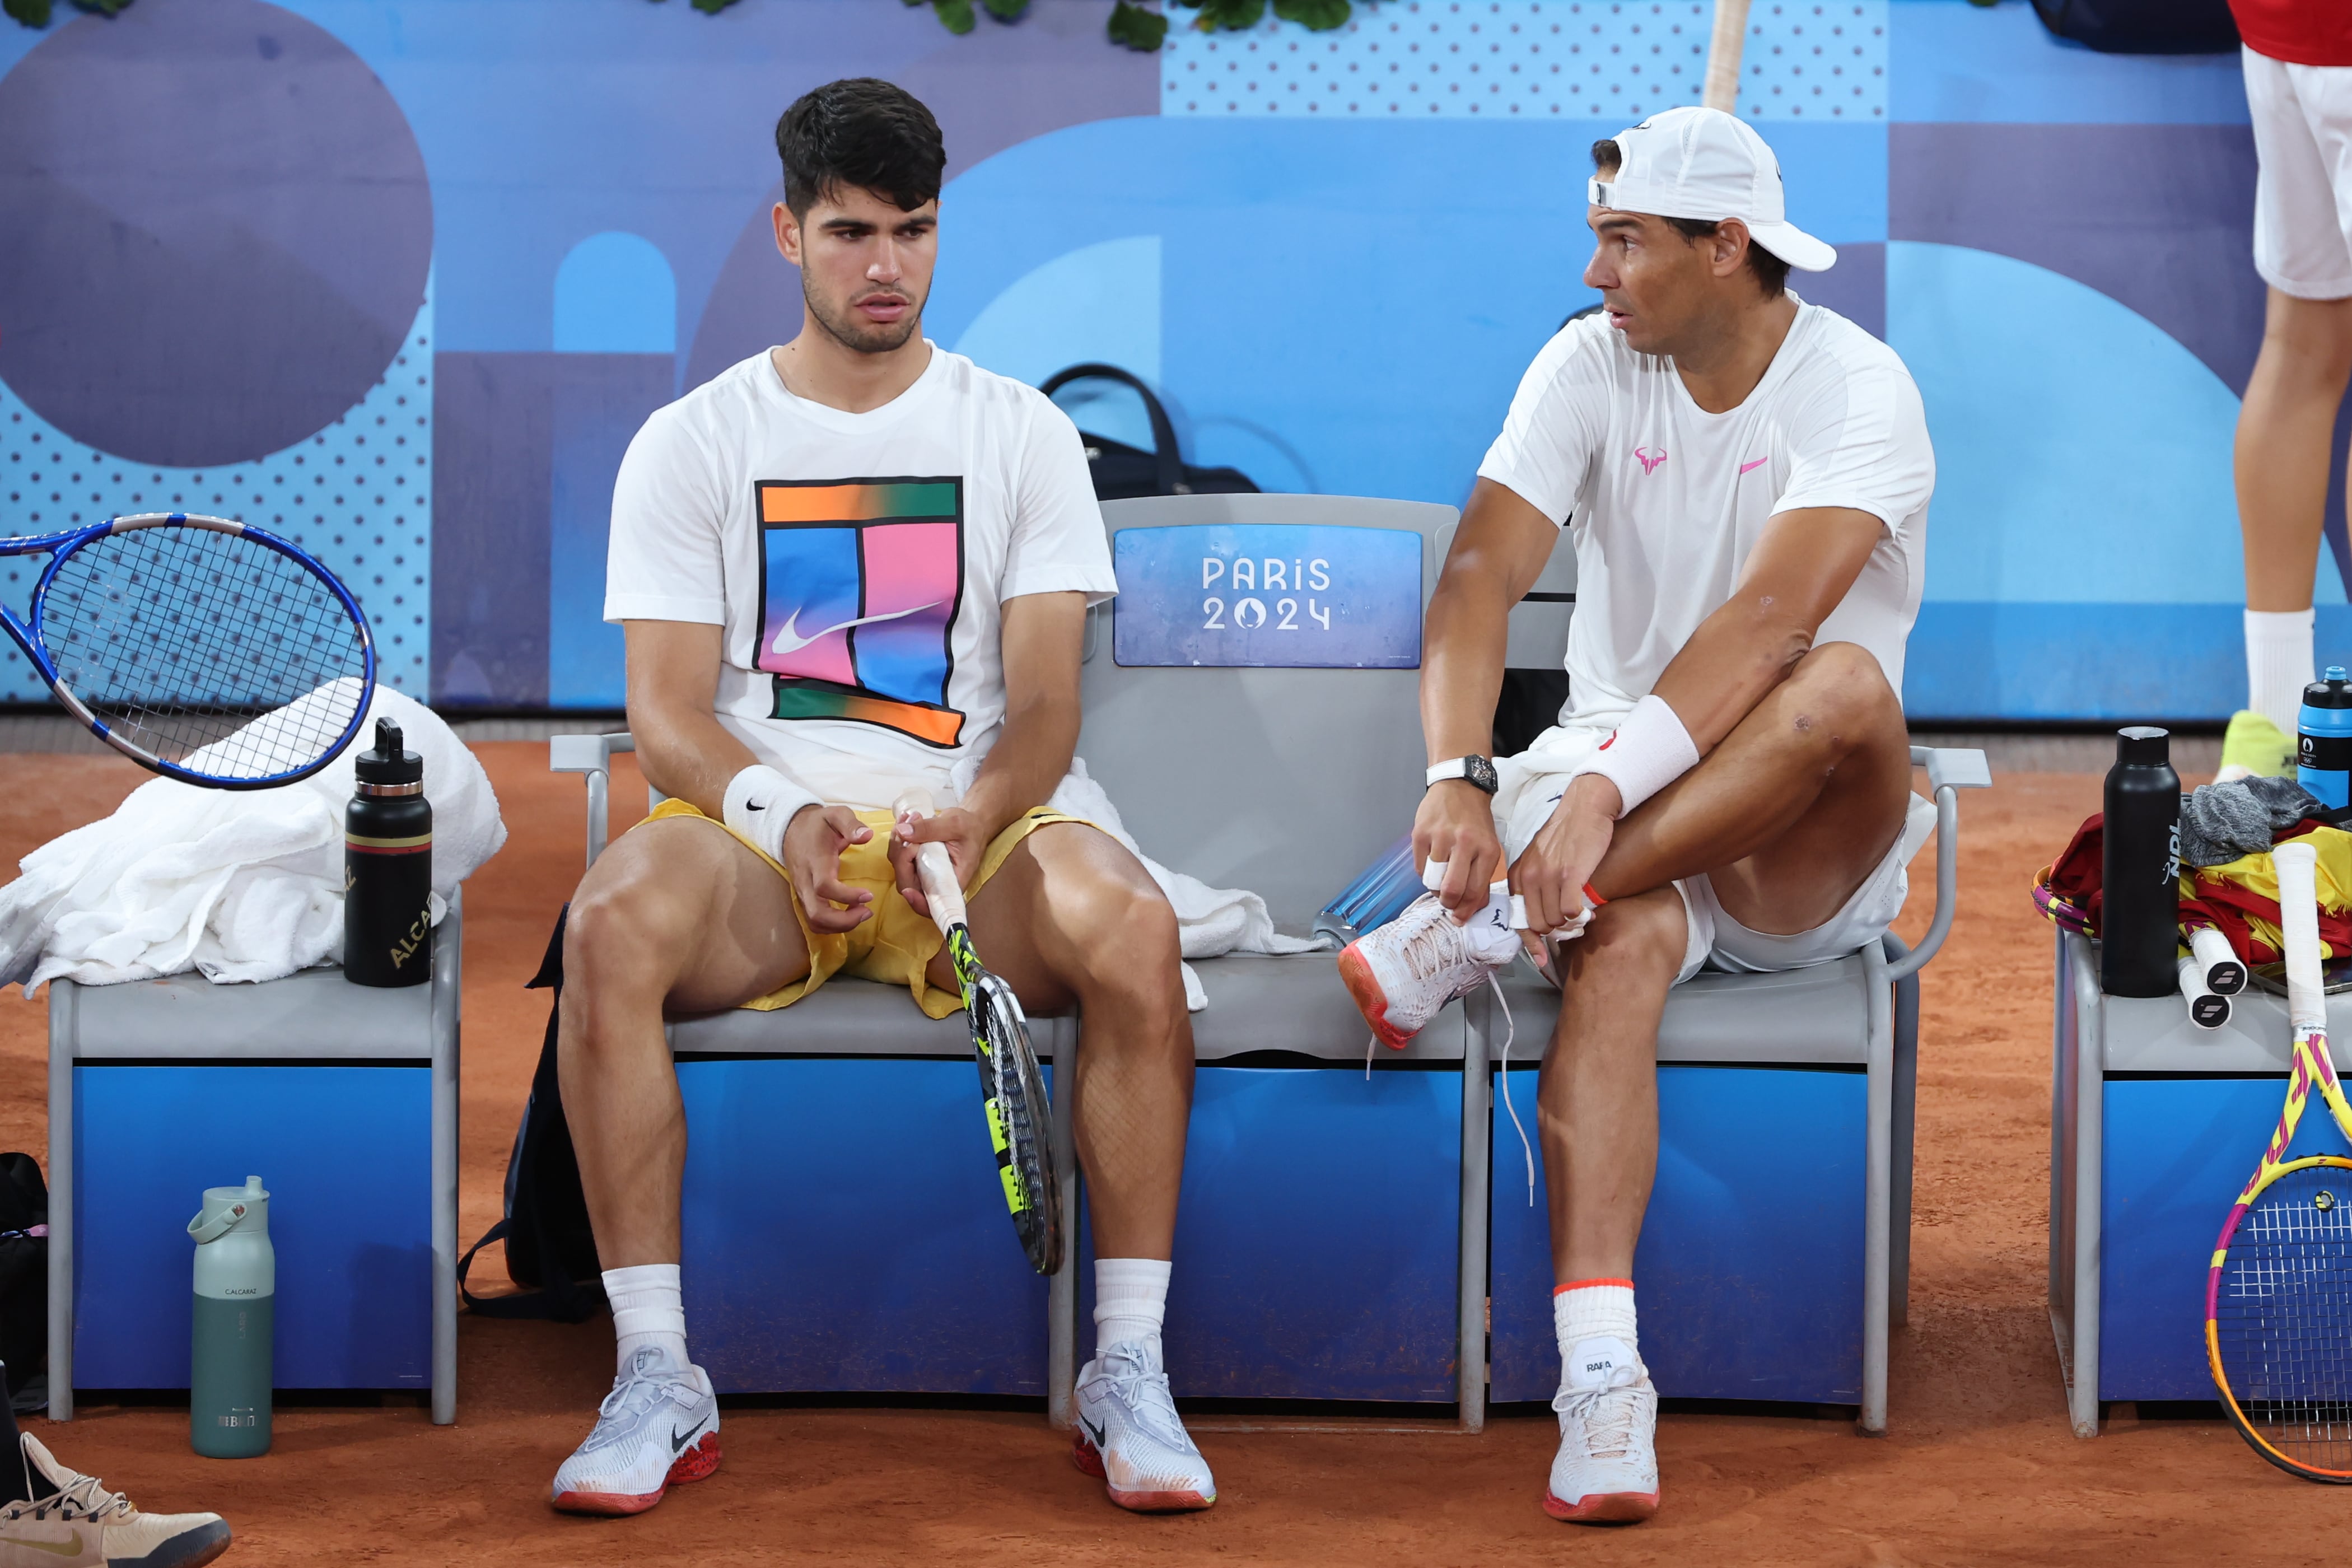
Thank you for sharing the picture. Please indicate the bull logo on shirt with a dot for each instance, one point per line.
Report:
(1649, 459)
(859, 584)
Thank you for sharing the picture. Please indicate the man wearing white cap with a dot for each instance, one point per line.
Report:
(1745, 478)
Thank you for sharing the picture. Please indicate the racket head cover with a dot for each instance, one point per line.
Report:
(211, 652)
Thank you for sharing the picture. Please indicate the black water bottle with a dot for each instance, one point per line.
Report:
(388, 868)
(2139, 923)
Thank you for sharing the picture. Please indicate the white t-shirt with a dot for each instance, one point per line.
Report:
(1668, 500)
(860, 562)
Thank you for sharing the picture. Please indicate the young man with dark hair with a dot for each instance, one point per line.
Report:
(844, 566)
(49, 1514)
(1745, 478)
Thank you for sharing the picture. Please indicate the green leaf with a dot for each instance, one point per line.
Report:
(32, 13)
(1006, 10)
(956, 14)
(1136, 27)
(1233, 15)
(1315, 16)
(712, 7)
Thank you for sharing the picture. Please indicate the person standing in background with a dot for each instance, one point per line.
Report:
(2298, 64)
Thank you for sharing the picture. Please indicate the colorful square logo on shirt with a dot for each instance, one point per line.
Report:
(859, 582)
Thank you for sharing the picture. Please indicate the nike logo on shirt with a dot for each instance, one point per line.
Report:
(789, 639)
(1757, 464)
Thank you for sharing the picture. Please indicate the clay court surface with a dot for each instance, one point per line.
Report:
(1978, 1466)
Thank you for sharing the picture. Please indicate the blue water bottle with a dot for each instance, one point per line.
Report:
(2324, 760)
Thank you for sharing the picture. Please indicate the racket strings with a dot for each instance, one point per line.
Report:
(179, 639)
(2282, 1317)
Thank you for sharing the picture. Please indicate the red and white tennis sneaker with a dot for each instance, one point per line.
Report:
(1606, 1471)
(1403, 973)
(78, 1523)
(657, 1428)
(1129, 1434)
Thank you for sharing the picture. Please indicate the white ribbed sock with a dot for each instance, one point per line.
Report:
(1592, 1318)
(648, 1310)
(2278, 664)
(1130, 1301)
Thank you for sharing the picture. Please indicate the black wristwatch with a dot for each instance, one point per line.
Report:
(1479, 771)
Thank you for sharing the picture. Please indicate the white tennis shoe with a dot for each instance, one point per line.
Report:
(1130, 1434)
(1403, 973)
(657, 1428)
(80, 1524)
(1607, 1468)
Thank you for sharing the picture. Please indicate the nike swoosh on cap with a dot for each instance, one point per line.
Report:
(788, 639)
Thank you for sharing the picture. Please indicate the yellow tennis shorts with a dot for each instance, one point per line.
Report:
(894, 945)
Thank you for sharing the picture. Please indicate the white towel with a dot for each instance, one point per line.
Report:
(244, 885)
(1210, 921)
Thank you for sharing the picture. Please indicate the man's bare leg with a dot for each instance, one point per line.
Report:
(1788, 818)
(1071, 917)
(2286, 431)
(678, 916)
(1792, 812)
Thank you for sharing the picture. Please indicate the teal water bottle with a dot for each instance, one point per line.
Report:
(237, 1288)
(2323, 753)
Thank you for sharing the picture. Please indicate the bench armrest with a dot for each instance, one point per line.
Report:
(1949, 770)
(592, 755)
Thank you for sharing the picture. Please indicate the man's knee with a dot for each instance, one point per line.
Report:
(1839, 691)
(1637, 942)
(624, 928)
(1119, 925)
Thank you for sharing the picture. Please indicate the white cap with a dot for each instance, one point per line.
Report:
(1704, 163)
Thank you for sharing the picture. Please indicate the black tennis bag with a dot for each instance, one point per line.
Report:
(1121, 472)
(549, 1245)
(2145, 27)
(24, 1271)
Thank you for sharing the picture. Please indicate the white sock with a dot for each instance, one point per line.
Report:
(648, 1310)
(1600, 1345)
(2278, 664)
(1130, 1301)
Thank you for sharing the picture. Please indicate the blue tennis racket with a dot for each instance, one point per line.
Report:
(208, 651)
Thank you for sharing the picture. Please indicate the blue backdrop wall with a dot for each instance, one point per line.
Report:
(401, 277)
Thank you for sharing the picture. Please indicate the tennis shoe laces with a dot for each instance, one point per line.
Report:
(80, 1524)
(1130, 1434)
(1403, 973)
(657, 1428)
(1606, 1471)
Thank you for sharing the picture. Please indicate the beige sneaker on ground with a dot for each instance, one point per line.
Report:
(80, 1524)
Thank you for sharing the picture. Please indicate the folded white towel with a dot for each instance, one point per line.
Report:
(1210, 921)
(244, 885)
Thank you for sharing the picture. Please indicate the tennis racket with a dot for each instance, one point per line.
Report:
(1723, 52)
(1012, 1088)
(208, 651)
(2278, 1301)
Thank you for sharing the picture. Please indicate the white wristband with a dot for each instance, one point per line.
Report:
(1649, 751)
(761, 804)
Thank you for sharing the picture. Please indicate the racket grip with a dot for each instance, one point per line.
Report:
(2225, 975)
(2206, 1010)
(2306, 996)
(932, 863)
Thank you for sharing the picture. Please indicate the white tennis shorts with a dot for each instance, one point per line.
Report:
(1532, 783)
(2303, 193)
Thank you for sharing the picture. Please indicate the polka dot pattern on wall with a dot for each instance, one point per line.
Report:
(358, 495)
(1548, 60)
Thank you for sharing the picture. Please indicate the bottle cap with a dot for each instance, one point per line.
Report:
(2332, 690)
(2143, 744)
(388, 764)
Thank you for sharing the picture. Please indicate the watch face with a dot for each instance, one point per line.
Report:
(1480, 771)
